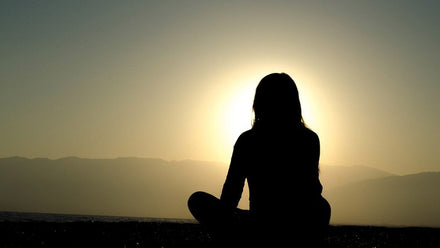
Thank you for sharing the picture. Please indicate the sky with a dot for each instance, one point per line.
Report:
(175, 79)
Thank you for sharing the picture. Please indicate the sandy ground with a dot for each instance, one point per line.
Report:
(166, 234)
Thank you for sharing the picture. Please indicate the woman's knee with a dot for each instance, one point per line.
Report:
(194, 200)
(202, 201)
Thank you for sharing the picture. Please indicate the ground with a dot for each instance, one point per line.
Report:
(168, 234)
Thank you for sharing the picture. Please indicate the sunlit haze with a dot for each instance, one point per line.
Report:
(175, 80)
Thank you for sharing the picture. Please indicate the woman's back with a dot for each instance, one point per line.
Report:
(281, 166)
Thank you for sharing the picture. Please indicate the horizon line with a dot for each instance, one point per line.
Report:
(196, 160)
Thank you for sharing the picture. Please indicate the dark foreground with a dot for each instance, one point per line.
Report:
(168, 234)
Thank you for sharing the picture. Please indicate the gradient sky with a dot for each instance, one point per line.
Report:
(175, 80)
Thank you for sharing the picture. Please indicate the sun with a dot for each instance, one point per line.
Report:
(234, 113)
(238, 115)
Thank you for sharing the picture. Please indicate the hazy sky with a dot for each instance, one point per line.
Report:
(175, 80)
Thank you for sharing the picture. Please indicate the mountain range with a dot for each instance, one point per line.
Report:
(146, 187)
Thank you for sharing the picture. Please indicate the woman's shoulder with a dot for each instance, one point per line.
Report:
(245, 138)
(310, 136)
(246, 135)
(309, 133)
(303, 133)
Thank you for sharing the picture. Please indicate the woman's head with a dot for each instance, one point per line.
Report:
(277, 101)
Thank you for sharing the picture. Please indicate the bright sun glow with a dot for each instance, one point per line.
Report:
(306, 110)
(238, 111)
(239, 115)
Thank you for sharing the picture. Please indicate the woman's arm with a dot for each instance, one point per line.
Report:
(234, 183)
(315, 162)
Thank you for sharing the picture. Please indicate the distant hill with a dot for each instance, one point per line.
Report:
(121, 187)
(336, 176)
(411, 200)
(157, 188)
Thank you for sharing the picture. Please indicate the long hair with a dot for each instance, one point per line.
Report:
(277, 102)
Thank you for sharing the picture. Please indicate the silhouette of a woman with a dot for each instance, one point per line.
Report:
(279, 158)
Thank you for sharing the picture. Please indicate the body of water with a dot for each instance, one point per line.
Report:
(61, 218)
